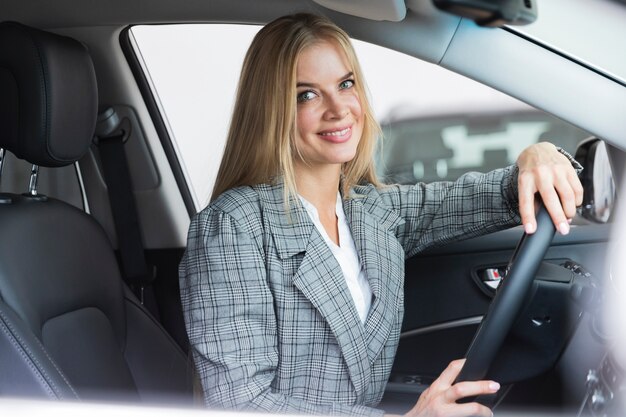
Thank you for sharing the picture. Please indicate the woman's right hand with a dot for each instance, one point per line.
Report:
(440, 399)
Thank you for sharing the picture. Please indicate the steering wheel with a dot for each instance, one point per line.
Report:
(509, 299)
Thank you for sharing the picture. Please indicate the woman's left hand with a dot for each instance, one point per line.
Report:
(543, 169)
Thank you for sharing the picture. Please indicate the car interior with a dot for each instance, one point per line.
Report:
(95, 206)
(84, 326)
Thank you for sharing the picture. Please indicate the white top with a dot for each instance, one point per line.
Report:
(346, 256)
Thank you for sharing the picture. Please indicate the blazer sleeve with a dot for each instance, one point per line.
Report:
(229, 314)
(443, 212)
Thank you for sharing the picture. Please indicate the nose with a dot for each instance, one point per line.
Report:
(336, 107)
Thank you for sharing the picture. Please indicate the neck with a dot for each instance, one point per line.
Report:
(318, 186)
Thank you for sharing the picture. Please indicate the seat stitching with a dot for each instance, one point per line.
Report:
(29, 361)
(35, 361)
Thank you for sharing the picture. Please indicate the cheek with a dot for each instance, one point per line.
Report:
(359, 117)
(306, 122)
(355, 107)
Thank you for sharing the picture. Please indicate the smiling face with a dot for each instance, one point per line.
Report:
(329, 116)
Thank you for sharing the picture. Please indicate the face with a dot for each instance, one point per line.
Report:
(329, 117)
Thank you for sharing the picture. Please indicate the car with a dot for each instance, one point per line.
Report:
(470, 141)
(89, 288)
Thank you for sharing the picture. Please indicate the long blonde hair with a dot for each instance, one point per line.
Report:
(261, 139)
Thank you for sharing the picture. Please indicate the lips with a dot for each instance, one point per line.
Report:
(339, 135)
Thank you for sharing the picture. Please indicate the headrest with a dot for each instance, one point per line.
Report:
(48, 96)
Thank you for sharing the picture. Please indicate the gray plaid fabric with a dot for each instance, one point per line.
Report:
(271, 322)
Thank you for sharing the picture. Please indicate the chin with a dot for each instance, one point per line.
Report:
(346, 158)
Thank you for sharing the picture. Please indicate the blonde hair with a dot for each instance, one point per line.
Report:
(261, 139)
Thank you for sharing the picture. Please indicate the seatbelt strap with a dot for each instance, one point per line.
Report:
(134, 267)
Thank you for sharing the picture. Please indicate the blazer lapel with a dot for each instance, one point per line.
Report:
(382, 258)
(320, 279)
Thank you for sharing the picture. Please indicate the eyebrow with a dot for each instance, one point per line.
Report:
(308, 84)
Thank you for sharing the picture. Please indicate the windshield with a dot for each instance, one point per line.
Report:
(591, 31)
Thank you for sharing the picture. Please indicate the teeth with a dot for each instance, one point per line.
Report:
(337, 133)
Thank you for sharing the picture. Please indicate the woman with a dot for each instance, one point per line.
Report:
(293, 275)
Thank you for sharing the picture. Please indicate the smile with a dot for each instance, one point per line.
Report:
(337, 136)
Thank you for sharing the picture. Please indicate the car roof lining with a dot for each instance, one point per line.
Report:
(393, 10)
(423, 21)
(44, 14)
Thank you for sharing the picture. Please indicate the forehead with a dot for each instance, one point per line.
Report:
(323, 58)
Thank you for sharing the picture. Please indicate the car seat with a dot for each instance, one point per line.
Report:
(69, 326)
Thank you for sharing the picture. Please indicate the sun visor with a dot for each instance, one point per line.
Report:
(393, 10)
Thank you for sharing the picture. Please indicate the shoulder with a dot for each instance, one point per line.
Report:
(237, 208)
(374, 197)
(366, 192)
(377, 201)
(237, 202)
(229, 228)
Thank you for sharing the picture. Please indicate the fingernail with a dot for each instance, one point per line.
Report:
(569, 221)
(564, 228)
(494, 386)
(529, 228)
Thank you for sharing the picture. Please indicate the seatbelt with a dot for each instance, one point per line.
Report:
(111, 133)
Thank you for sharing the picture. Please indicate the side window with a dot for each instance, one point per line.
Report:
(194, 70)
(436, 124)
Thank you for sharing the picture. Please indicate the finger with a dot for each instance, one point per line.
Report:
(553, 204)
(566, 195)
(470, 389)
(526, 190)
(447, 377)
(471, 409)
(576, 186)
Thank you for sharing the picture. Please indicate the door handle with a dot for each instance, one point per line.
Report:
(492, 277)
(488, 278)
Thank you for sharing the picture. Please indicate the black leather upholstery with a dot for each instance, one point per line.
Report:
(69, 327)
(27, 369)
(48, 99)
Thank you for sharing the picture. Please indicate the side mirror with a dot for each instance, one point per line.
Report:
(597, 179)
(492, 13)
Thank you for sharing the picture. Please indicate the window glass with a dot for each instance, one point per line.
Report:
(589, 31)
(194, 71)
(437, 124)
(443, 147)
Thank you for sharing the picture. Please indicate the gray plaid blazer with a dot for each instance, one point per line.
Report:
(271, 323)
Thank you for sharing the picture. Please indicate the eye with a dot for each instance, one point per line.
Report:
(346, 84)
(306, 96)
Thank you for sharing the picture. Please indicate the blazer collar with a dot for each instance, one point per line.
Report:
(291, 231)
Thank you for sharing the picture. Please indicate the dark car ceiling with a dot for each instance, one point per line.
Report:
(71, 13)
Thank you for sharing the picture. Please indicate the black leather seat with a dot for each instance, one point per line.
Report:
(69, 327)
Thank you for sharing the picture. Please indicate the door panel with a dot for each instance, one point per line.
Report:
(443, 303)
